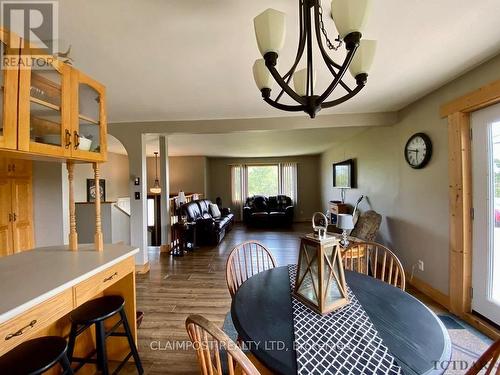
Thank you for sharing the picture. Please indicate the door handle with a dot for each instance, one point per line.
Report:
(13, 167)
(9, 168)
(14, 217)
(76, 139)
(68, 139)
(10, 218)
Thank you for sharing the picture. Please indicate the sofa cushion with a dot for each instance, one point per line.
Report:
(275, 213)
(214, 210)
(260, 203)
(204, 206)
(192, 211)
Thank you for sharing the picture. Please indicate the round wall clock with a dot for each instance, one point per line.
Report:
(418, 150)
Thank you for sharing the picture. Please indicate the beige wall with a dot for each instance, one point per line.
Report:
(116, 173)
(308, 189)
(186, 173)
(414, 203)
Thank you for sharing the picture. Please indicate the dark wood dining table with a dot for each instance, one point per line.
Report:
(262, 314)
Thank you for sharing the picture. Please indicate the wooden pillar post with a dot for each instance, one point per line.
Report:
(73, 235)
(98, 239)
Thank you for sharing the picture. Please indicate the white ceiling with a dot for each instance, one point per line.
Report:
(247, 144)
(166, 60)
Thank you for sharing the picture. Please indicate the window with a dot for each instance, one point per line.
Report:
(271, 179)
(263, 180)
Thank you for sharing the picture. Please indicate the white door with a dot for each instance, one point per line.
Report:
(486, 203)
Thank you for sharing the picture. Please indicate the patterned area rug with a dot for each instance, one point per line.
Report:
(467, 343)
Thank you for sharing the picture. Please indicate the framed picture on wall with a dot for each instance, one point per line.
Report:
(91, 190)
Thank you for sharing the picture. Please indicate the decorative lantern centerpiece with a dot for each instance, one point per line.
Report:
(320, 282)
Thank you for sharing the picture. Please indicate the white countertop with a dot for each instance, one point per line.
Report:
(32, 277)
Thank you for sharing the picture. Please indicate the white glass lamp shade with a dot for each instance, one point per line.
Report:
(300, 81)
(363, 58)
(156, 189)
(262, 76)
(345, 222)
(350, 15)
(181, 197)
(270, 31)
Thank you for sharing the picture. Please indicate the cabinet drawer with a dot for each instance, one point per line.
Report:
(26, 325)
(91, 287)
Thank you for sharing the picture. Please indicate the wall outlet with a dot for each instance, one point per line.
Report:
(420, 265)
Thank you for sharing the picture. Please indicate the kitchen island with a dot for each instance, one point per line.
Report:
(39, 288)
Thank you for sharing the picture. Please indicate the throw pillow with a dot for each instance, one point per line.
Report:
(214, 210)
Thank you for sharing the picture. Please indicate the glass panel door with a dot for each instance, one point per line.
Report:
(8, 90)
(486, 203)
(89, 121)
(44, 125)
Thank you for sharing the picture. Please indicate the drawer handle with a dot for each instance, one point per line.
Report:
(21, 331)
(111, 277)
(68, 139)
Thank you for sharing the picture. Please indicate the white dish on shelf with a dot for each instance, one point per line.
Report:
(84, 144)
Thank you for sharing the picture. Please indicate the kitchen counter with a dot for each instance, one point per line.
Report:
(32, 277)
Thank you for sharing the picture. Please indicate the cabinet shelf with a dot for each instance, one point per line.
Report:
(88, 119)
(45, 104)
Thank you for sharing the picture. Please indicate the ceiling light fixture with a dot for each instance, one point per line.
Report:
(349, 17)
(156, 189)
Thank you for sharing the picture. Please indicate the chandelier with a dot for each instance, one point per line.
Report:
(349, 17)
(156, 189)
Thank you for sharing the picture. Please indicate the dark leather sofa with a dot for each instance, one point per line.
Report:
(209, 230)
(272, 211)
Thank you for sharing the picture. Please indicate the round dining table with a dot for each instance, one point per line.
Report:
(262, 315)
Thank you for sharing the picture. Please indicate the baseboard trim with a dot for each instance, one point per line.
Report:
(482, 325)
(429, 291)
(142, 268)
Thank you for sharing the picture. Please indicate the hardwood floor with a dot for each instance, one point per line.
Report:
(194, 284)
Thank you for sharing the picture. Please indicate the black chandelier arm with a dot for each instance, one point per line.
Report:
(342, 99)
(300, 50)
(281, 82)
(284, 107)
(339, 76)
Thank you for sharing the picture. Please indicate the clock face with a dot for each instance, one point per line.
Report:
(418, 150)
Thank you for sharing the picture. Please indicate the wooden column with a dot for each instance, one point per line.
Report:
(73, 235)
(98, 239)
(459, 169)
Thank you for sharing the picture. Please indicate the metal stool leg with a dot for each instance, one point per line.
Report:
(131, 342)
(64, 362)
(71, 341)
(102, 358)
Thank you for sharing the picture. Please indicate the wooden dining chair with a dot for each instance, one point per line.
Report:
(245, 260)
(375, 260)
(208, 340)
(488, 361)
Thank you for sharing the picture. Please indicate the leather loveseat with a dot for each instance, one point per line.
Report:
(210, 230)
(272, 211)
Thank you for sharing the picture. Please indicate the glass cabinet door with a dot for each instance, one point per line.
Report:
(44, 122)
(89, 119)
(9, 45)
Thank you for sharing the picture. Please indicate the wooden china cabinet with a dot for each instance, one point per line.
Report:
(50, 112)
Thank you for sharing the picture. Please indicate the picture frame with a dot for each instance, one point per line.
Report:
(344, 174)
(91, 190)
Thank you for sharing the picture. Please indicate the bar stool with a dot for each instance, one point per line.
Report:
(95, 312)
(36, 356)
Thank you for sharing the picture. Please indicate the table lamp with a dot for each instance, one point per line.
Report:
(344, 222)
(181, 198)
